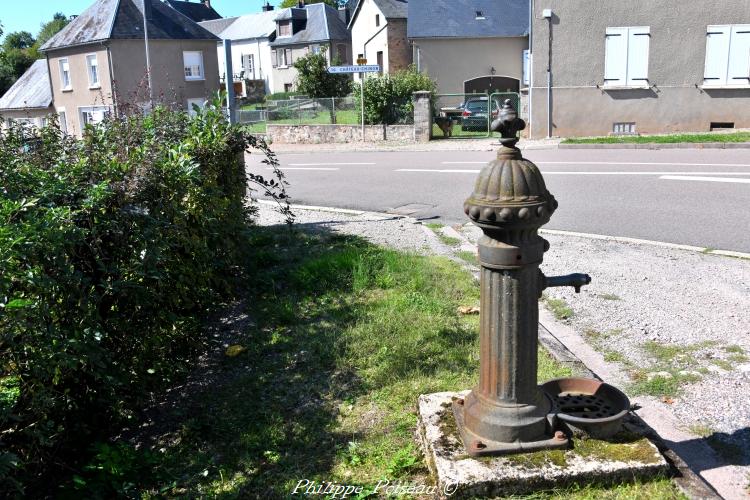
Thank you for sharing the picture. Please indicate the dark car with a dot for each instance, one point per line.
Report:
(474, 116)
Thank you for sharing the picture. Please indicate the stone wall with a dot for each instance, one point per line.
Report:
(329, 134)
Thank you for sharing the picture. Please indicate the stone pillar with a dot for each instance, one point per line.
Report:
(422, 115)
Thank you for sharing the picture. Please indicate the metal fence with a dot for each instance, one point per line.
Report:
(301, 111)
(467, 116)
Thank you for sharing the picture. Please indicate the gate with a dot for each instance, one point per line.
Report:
(467, 116)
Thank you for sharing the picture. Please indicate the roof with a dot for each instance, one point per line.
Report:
(31, 91)
(323, 24)
(391, 9)
(123, 19)
(196, 11)
(459, 19)
(258, 25)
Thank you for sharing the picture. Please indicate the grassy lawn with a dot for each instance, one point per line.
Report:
(662, 139)
(344, 337)
(343, 117)
(437, 133)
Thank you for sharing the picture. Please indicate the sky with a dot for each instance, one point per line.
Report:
(28, 15)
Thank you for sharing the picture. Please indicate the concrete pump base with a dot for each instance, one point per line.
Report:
(458, 475)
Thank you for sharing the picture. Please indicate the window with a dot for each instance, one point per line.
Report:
(92, 115)
(93, 68)
(193, 65)
(623, 128)
(283, 58)
(248, 65)
(285, 28)
(192, 103)
(63, 119)
(379, 56)
(727, 55)
(315, 49)
(480, 15)
(377, 20)
(288, 87)
(65, 74)
(626, 57)
(341, 52)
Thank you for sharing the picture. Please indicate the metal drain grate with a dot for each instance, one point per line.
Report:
(587, 406)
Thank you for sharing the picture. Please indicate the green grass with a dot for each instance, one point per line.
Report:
(345, 336)
(662, 139)
(609, 296)
(470, 257)
(343, 117)
(437, 133)
(559, 308)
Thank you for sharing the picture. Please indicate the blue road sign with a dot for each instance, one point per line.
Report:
(369, 68)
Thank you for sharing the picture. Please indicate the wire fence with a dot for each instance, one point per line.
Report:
(467, 116)
(301, 111)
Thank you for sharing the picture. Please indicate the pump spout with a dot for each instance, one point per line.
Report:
(576, 280)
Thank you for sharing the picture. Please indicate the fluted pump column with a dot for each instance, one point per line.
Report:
(507, 412)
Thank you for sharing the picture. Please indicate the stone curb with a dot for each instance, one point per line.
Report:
(654, 145)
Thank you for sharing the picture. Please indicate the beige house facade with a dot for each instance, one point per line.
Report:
(97, 63)
(640, 67)
(378, 30)
(29, 100)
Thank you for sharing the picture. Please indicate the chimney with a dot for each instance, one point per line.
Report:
(345, 15)
(301, 4)
(267, 7)
(147, 10)
(208, 3)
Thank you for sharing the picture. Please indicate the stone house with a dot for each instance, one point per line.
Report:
(304, 29)
(29, 100)
(470, 46)
(197, 12)
(639, 67)
(379, 34)
(97, 63)
(251, 36)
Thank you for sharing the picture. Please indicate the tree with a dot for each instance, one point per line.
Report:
(293, 3)
(388, 98)
(50, 29)
(314, 80)
(18, 40)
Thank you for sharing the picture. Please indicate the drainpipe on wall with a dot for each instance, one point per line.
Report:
(112, 87)
(531, 65)
(547, 14)
(146, 17)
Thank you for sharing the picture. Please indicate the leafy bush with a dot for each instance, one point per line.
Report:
(112, 249)
(388, 98)
(282, 96)
(314, 80)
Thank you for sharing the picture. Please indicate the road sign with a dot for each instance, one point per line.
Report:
(372, 68)
(361, 61)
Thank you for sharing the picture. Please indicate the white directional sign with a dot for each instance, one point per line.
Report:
(370, 68)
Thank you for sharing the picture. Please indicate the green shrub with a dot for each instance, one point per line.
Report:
(112, 249)
(282, 96)
(388, 98)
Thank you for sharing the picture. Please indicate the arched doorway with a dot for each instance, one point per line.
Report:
(491, 83)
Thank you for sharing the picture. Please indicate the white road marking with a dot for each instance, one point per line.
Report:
(327, 163)
(305, 168)
(704, 179)
(552, 172)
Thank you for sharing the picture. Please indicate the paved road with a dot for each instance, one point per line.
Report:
(688, 196)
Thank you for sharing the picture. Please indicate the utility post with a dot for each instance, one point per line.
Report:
(229, 80)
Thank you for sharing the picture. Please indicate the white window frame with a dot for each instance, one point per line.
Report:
(727, 63)
(62, 117)
(83, 110)
(191, 69)
(626, 57)
(93, 73)
(315, 48)
(286, 24)
(248, 69)
(63, 63)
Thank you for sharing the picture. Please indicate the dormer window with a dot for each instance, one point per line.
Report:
(285, 28)
(480, 14)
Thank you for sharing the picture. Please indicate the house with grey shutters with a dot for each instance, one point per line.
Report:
(470, 46)
(307, 28)
(97, 63)
(29, 100)
(639, 67)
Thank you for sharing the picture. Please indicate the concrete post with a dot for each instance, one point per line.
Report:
(422, 115)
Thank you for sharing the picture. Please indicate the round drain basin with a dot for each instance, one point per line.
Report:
(588, 405)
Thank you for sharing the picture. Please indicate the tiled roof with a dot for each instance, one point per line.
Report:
(258, 25)
(123, 19)
(196, 11)
(31, 91)
(323, 24)
(462, 19)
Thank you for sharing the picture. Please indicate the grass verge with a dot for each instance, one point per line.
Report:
(346, 335)
(662, 139)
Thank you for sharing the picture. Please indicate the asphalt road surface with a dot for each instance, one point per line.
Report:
(687, 196)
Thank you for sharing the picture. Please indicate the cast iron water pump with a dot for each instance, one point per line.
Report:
(507, 412)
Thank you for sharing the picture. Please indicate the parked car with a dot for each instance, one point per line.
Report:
(474, 115)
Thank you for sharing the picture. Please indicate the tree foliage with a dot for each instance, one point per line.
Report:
(112, 250)
(388, 98)
(314, 80)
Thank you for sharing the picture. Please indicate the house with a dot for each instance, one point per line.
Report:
(308, 28)
(251, 35)
(29, 100)
(97, 63)
(379, 34)
(197, 12)
(470, 46)
(640, 67)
